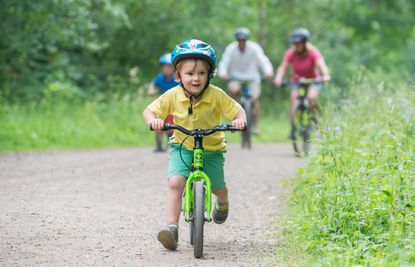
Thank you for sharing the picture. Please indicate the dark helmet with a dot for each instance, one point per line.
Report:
(242, 33)
(300, 35)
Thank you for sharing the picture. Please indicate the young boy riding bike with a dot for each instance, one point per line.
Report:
(163, 82)
(194, 104)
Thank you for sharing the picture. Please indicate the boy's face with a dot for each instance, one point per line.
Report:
(194, 75)
(166, 69)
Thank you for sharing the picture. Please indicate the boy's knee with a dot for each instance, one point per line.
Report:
(177, 182)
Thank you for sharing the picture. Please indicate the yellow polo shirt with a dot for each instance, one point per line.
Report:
(207, 113)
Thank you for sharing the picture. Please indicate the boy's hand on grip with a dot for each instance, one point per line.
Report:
(239, 123)
(157, 125)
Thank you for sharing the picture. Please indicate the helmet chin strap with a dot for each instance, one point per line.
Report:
(190, 109)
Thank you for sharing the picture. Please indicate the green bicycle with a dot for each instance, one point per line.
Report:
(302, 119)
(197, 195)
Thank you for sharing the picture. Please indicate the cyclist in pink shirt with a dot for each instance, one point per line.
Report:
(306, 60)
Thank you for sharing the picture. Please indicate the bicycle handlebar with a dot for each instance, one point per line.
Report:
(202, 132)
(308, 81)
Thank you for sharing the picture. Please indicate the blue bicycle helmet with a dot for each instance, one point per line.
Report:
(165, 59)
(197, 49)
(194, 49)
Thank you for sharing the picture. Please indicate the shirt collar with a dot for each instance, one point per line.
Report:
(206, 97)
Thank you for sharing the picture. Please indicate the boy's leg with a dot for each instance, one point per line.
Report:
(168, 236)
(221, 194)
(214, 164)
(221, 209)
(175, 189)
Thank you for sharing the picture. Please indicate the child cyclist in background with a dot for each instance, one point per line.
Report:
(163, 82)
(194, 103)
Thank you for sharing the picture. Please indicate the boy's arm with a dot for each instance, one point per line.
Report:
(151, 89)
(240, 119)
(151, 120)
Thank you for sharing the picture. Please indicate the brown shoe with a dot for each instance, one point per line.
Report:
(219, 216)
(168, 237)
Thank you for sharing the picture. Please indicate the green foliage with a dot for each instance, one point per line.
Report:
(354, 203)
(94, 44)
(56, 123)
(65, 118)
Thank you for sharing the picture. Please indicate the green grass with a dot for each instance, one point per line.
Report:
(57, 124)
(354, 204)
(61, 125)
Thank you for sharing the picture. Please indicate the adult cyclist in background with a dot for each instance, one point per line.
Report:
(241, 62)
(306, 61)
(163, 81)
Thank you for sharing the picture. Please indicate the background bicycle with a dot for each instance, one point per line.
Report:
(246, 102)
(302, 119)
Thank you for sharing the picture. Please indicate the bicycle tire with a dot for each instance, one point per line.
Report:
(295, 122)
(198, 220)
(192, 232)
(246, 135)
(306, 139)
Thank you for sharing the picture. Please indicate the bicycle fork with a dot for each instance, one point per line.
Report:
(188, 197)
(197, 175)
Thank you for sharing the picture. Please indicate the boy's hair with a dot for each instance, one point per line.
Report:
(179, 64)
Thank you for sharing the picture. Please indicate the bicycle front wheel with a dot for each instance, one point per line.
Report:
(198, 220)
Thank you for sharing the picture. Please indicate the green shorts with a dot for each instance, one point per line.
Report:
(213, 165)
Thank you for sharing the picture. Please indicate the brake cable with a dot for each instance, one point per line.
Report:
(180, 152)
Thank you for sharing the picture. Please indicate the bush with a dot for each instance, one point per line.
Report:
(354, 203)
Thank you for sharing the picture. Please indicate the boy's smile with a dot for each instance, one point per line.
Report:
(194, 75)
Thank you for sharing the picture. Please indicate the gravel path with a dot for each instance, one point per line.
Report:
(104, 208)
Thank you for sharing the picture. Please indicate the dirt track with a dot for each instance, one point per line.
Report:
(104, 208)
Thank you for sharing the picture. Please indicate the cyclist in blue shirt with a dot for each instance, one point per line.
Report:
(163, 82)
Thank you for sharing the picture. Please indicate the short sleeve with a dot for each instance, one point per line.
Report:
(157, 81)
(161, 107)
(315, 54)
(288, 56)
(230, 107)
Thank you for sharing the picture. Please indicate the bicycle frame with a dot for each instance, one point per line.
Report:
(302, 97)
(197, 175)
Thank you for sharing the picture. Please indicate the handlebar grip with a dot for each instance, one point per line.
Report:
(231, 128)
(166, 127)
